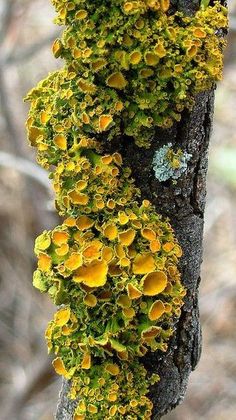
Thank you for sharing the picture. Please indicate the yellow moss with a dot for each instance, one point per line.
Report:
(63, 250)
(98, 64)
(84, 223)
(86, 87)
(107, 254)
(151, 59)
(90, 300)
(155, 246)
(111, 232)
(59, 238)
(43, 242)
(56, 48)
(165, 4)
(113, 410)
(128, 312)
(79, 198)
(92, 409)
(113, 369)
(123, 218)
(199, 33)
(81, 185)
(81, 14)
(160, 50)
(124, 301)
(135, 57)
(70, 222)
(148, 234)
(92, 251)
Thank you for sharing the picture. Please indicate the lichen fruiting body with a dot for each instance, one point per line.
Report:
(130, 66)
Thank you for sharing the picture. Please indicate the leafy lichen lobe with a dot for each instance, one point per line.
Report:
(168, 164)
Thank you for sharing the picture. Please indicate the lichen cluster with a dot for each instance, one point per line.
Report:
(130, 66)
(113, 267)
(170, 164)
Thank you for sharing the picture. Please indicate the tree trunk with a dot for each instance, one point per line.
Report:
(183, 202)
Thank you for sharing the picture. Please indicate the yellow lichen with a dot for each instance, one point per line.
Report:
(156, 311)
(112, 264)
(116, 80)
(62, 316)
(154, 283)
(143, 264)
(92, 275)
(104, 122)
(60, 141)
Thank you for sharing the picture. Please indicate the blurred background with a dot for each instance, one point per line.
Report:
(28, 387)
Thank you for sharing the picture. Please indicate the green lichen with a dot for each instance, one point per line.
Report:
(130, 61)
(130, 66)
(168, 164)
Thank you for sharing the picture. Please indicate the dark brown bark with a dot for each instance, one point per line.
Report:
(183, 202)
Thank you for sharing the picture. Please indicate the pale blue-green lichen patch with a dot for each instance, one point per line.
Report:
(169, 164)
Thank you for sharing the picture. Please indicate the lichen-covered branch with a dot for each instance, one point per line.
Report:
(183, 202)
(124, 129)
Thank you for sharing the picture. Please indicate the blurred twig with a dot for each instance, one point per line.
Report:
(20, 56)
(26, 167)
(6, 18)
(38, 379)
(232, 23)
(7, 112)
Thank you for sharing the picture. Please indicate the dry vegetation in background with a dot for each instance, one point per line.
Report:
(28, 386)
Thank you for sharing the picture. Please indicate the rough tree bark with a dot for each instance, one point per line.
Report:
(184, 203)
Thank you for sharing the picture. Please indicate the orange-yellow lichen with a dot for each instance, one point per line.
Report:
(93, 275)
(59, 366)
(112, 264)
(154, 283)
(62, 316)
(44, 262)
(104, 122)
(156, 311)
(86, 362)
(116, 80)
(143, 263)
(60, 141)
